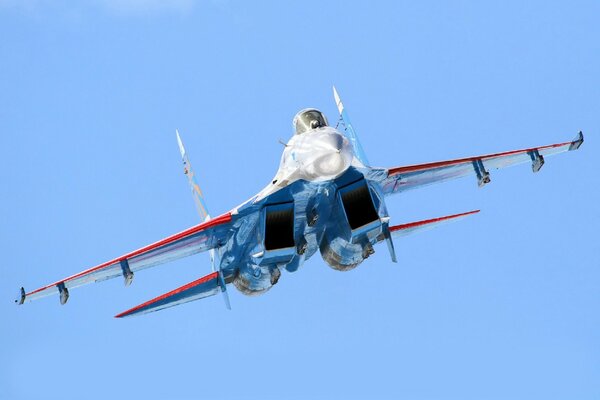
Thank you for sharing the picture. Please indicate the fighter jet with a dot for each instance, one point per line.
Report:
(325, 197)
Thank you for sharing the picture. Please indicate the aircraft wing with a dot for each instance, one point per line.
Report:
(196, 239)
(413, 176)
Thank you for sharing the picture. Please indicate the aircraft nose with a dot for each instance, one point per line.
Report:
(334, 157)
(333, 142)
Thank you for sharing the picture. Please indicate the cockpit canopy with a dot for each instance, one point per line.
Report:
(307, 119)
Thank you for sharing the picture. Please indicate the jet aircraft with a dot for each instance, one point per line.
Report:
(325, 197)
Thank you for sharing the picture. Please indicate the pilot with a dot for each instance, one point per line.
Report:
(308, 119)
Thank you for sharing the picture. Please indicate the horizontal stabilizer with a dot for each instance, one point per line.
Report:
(206, 286)
(412, 227)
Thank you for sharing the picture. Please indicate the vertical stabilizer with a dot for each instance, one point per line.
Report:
(191, 176)
(349, 129)
(196, 193)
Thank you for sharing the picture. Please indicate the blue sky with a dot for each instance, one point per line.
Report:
(503, 305)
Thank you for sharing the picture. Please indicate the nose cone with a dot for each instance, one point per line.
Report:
(333, 142)
(332, 156)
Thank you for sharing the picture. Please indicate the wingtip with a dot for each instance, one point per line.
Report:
(577, 142)
(22, 295)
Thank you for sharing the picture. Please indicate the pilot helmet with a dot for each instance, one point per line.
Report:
(307, 119)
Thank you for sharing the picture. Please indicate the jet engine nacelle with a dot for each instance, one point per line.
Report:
(348, 240)
(253, 280)
(342, 255)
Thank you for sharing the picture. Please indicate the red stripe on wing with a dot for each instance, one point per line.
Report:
(190, 285)
(439, 164)
(430, 221)
(221, 219)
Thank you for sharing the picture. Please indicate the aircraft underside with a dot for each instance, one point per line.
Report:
(341, 218)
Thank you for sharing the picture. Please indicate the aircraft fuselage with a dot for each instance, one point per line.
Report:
(319, 200)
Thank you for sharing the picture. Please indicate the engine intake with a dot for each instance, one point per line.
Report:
(358, 205)
(279, 226)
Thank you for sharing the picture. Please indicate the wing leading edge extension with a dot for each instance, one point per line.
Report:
(196, 239)
(413, 176)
